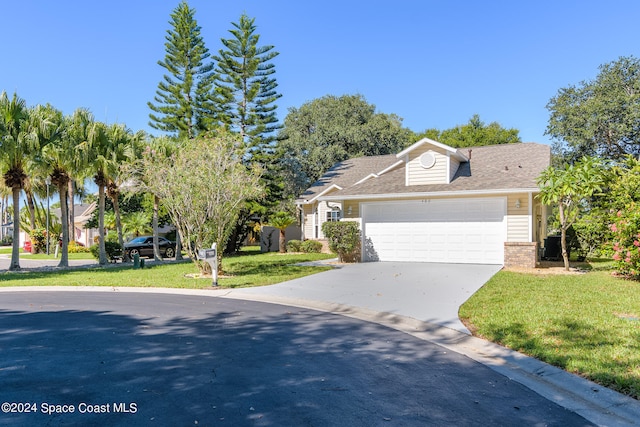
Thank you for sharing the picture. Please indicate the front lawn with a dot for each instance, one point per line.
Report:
(587, 324)
(249, 269)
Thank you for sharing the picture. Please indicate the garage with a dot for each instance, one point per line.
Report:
(465, 230)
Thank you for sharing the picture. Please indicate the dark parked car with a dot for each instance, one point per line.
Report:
(143, 246)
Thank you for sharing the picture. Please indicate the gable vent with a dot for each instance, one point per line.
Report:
(427, 160)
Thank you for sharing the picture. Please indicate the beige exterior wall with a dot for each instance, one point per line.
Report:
(314, 216)
(351, 209)
(438, 174)
(518, 218)
(525, 223)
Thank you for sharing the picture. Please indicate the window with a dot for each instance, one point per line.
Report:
(333, 216)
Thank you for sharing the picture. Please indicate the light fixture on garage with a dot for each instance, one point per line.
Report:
(518, 204)
(349, 210)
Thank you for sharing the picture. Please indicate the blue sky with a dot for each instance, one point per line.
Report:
(433, 63)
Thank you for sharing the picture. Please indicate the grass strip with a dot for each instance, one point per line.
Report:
(587, 324)
(248, 269)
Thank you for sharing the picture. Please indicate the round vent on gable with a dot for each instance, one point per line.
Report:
(427, 160)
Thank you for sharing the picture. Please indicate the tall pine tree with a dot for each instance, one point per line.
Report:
(183, 104)
(246, 88)
(246, 92)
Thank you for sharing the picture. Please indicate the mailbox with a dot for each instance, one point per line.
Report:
(207, 254)
(211, 256)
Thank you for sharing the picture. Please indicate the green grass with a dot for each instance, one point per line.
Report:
(249, 269)
(587, 324)
(80, 255)
(6, 250)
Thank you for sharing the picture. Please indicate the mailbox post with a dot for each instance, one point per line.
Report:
(211, 257)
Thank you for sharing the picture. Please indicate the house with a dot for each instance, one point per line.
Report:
(435, 203)
(82, 213)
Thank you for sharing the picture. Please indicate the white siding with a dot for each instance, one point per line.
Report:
(308, 211)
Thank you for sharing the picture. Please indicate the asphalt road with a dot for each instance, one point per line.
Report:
(134, 359)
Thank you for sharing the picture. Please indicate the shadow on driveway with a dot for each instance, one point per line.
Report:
(187, 360)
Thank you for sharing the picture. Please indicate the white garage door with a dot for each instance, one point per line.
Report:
(469, 231)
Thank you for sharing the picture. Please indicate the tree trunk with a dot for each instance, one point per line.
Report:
(15, 250)
(283, 241)
(156, 244)
(102, 259)
(563, 236)
(178, 246)
(32, 209)
(116, 210)
(71, 210)
(64, 257)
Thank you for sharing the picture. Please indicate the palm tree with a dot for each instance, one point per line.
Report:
(121, 148)
(281, 220)
(77, 127)
(21, 133)
(60, 158)
(95, 157)
(137, 223)
(106, 147)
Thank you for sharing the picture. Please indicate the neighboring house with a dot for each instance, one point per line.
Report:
(82, 234)
(435, 203)
(82, 213)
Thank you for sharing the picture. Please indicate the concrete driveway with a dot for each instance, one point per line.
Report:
(429, 292)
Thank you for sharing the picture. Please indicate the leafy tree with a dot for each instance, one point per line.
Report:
(570, 187)
(331, 129)
(183, 104)
(599, 117)
(281, 220)
(161, 147)
(203, 185)
(474, 133)
(21, 136)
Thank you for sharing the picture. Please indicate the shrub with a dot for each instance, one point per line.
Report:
(344, 239)
(111, 248)
(75, 248)
(294, 245)
(311, 246)
(626, 241)
(38, 240)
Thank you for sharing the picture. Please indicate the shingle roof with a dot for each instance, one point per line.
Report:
(494, 167)
(346, 174)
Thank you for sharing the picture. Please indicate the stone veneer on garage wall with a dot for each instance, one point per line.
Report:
(521, 254)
